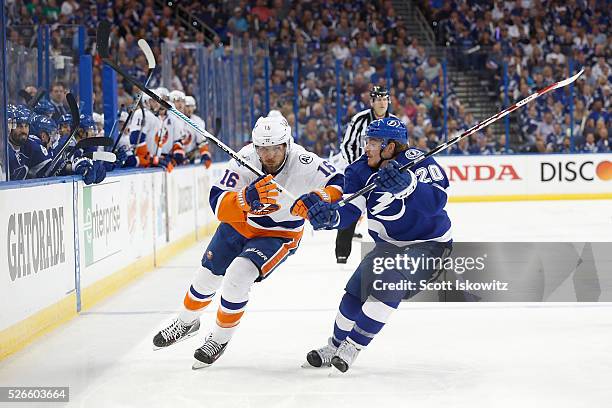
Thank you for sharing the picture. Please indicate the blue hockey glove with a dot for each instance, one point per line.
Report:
(85, 168)
(399, 183)
(323, 215)
(99, 171)
(304, 203)
(122, 156)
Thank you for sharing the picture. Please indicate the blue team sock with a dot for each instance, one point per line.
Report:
(370, 320)
(350, 307)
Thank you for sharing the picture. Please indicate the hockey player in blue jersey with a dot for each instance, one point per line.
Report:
(19, 129)
(64, 123)
(45, 129)
(45, 108)
(406, 217)
(29, 157)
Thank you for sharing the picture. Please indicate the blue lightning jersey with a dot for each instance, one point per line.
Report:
(416, 218)
(28, 161)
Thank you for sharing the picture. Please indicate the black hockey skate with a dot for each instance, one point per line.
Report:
(177, 331)
(321, 357)
(341, 259)
(345, 355)
(208, 353)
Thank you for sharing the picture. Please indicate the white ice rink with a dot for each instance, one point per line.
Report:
(429, 355)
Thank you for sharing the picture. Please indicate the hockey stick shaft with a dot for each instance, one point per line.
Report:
(76, 121)
(146, 49)
(185, 119)
(469, 132)
(131, 111)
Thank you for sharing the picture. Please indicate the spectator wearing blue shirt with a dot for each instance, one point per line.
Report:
(589, 144)
(603, 146)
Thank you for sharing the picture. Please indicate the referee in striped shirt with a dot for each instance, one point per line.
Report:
(352, 148)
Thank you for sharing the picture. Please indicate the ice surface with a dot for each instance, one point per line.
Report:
(429, 355)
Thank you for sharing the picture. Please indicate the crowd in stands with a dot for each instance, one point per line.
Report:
(538, 40)
(535, 38)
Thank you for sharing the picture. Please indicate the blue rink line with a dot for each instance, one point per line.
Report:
(455, 306)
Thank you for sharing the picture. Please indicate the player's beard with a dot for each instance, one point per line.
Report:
(274, 168)
(18, 137)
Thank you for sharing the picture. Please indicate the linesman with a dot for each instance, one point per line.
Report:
(352, 147)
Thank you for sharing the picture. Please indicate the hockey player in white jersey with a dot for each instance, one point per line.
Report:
(141, 136)
(259, 229)
(195, 145)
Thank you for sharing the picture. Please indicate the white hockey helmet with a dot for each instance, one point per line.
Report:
(145, 98)
(98, 118)
(272, 131)
(176, 95)
(275, 114)
(162, 92)
(190, 101)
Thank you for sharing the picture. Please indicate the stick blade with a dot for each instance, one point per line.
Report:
(146, 49)
(109, 157)
(103, 38)
(94, 142)
(568, 81)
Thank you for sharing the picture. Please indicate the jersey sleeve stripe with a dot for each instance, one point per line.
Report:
(279, 256)
(359, 202)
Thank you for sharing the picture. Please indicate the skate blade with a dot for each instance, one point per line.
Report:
(307, 365)
(337, 374)
(198, 365)
(155, 348)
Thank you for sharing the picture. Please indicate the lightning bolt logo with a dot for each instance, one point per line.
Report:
(384, 201)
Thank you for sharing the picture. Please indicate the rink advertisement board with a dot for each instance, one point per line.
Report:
(138, 190)
(116, 218)
(204, 215)
(528, 176)
(520, 177)
(181, 202)
(37, 266)
(160, 209)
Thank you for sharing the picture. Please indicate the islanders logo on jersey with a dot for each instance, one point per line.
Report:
(187, 139)
(266, 209)
(161, 140)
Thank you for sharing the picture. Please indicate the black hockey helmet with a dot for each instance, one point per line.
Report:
(378, 91)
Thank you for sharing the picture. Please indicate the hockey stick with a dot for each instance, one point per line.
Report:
(146, 49)
(110, 134)
(102, 35)
(102, 156)
(93, 142)
(88, 143)
(76, 121)
(471, 131)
